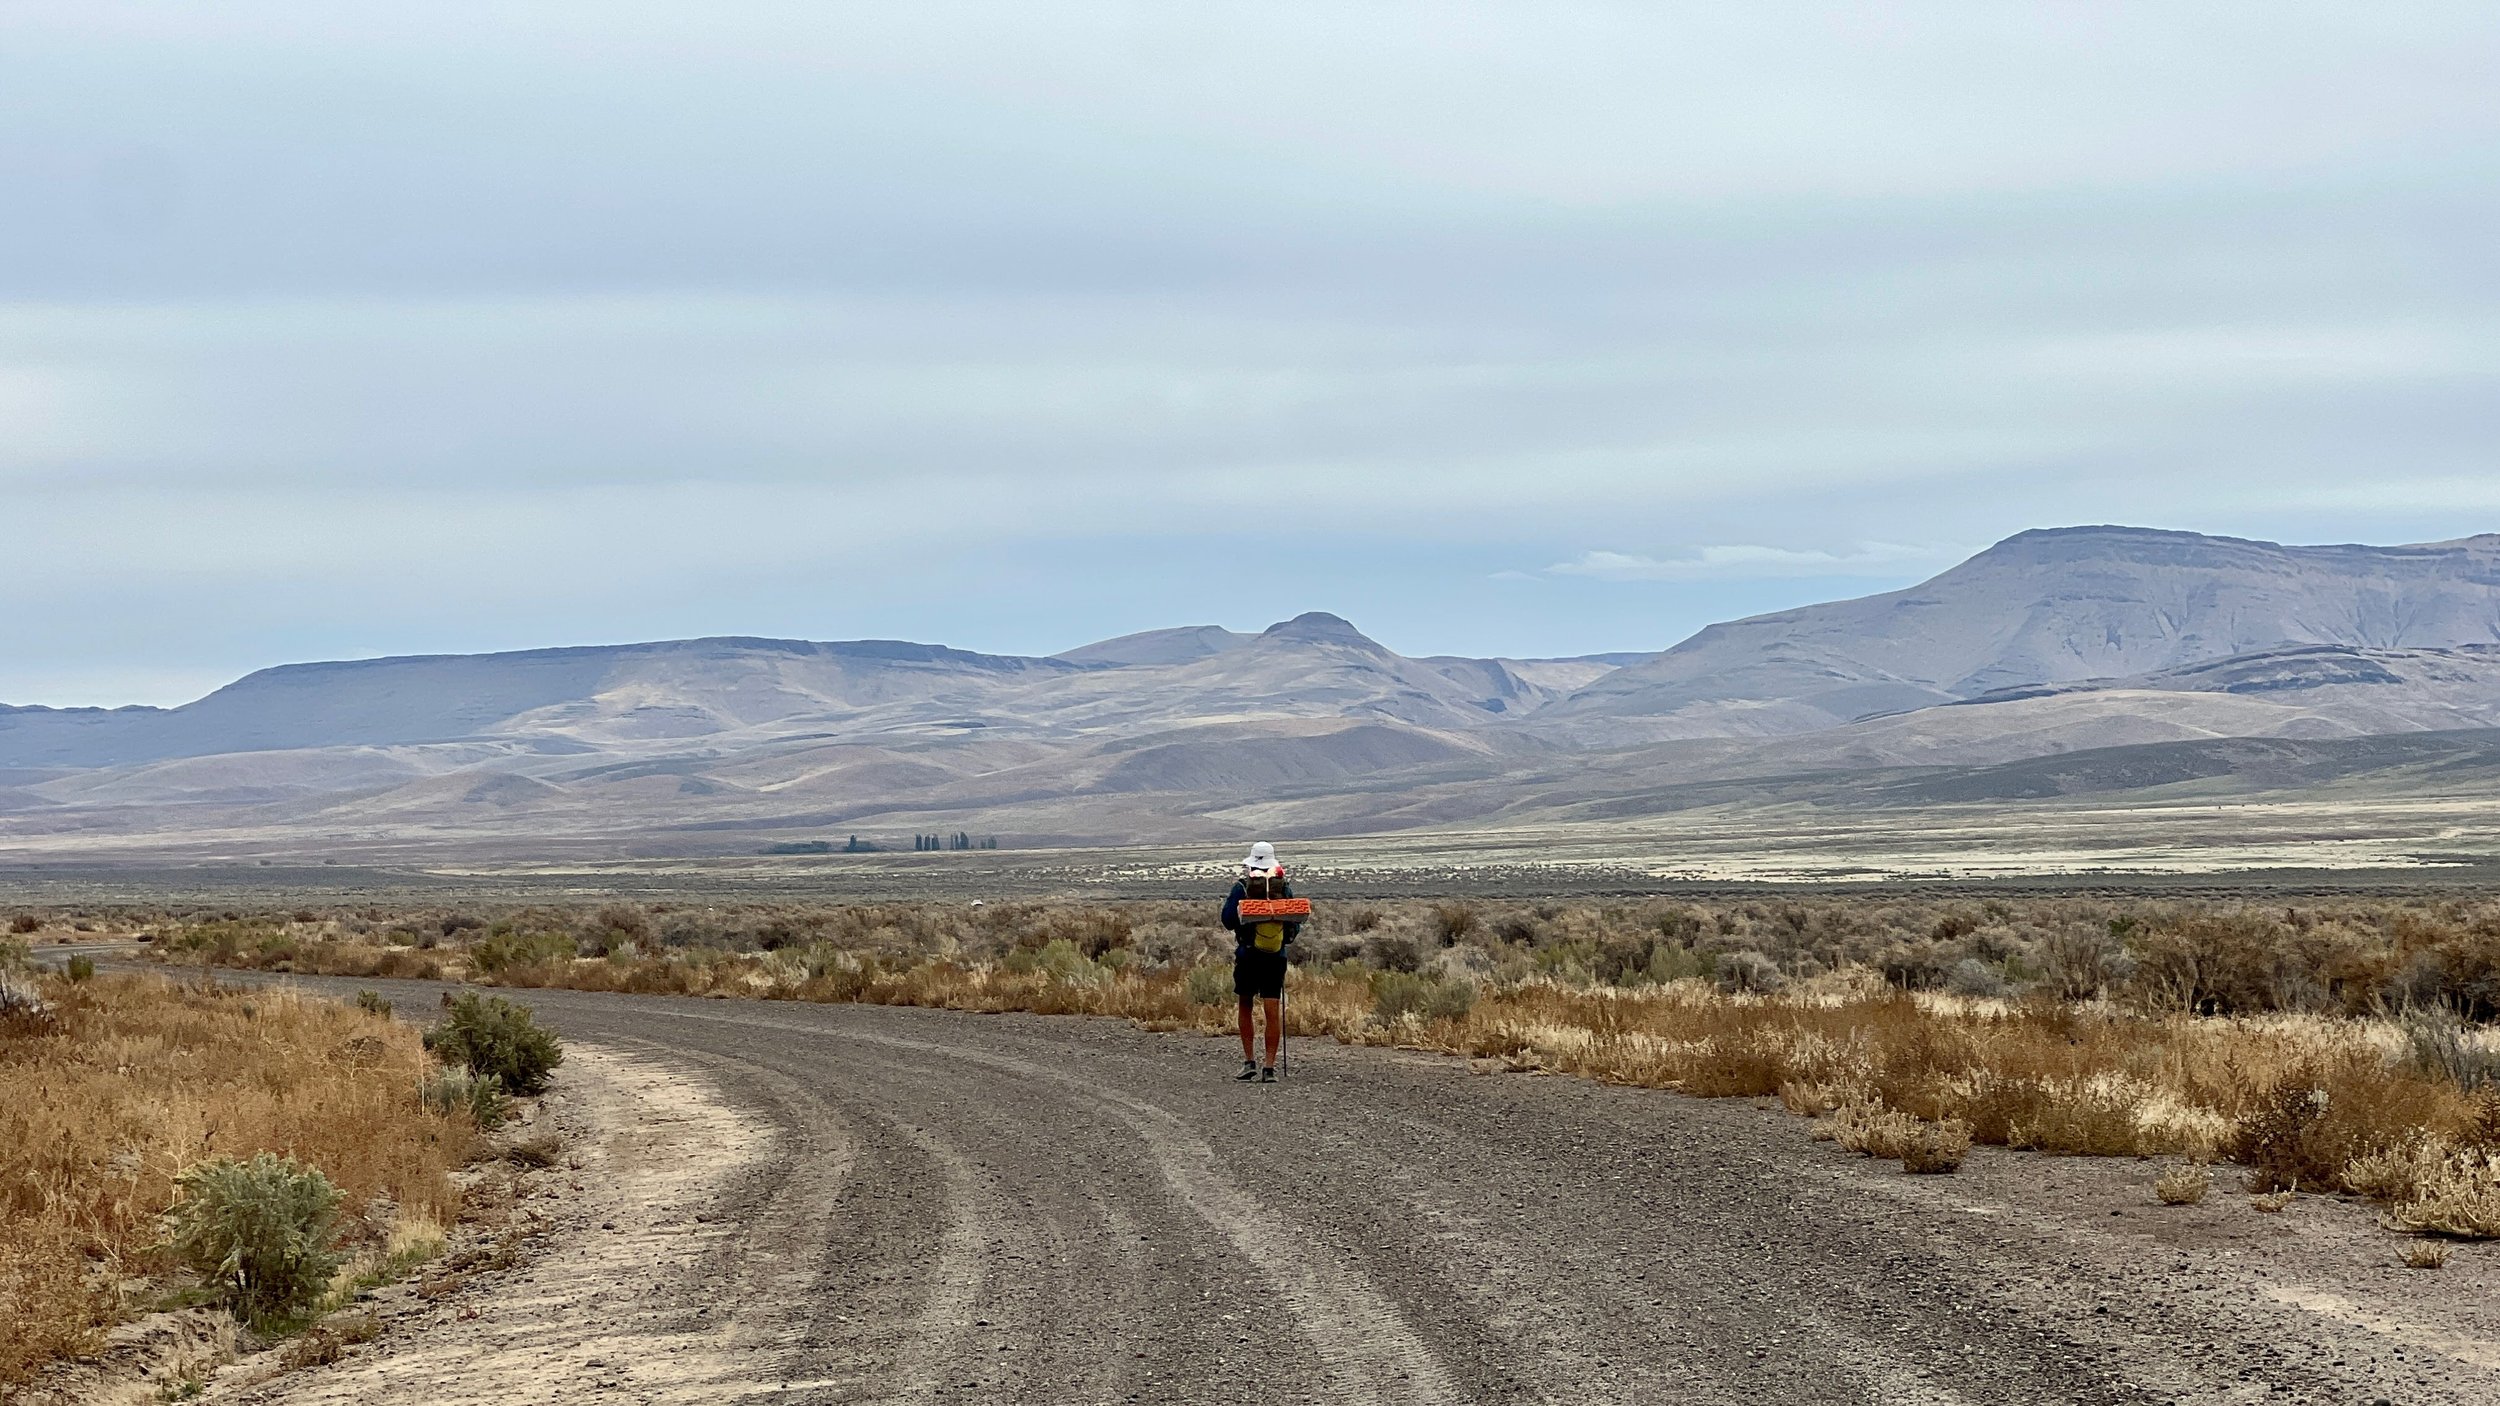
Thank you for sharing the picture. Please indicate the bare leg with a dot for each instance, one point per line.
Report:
(1245, 1030)
(1275, 1028)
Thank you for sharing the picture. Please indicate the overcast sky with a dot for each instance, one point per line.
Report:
(339, 329)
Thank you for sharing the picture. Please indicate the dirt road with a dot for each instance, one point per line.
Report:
(865, 1204)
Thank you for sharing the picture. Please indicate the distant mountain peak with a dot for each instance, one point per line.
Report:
(1320, 627)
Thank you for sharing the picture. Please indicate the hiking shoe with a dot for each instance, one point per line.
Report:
(1266, 1076)
(1249, 1070)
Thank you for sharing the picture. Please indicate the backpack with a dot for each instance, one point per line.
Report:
(1267, 937)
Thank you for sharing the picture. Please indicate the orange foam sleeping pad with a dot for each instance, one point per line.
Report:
(1272, 909)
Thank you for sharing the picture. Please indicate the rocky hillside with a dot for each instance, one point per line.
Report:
(2053, 607)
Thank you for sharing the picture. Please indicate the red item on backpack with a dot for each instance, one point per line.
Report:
(1269, 910)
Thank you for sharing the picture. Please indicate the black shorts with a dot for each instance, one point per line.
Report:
(1257, 973)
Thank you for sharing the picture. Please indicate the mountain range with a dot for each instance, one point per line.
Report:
(2002, 672)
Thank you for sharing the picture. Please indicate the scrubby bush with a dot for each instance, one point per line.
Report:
(371, 1002)
(2182, 1185)
(2082, 961)
(1973, 977)
(81, 968)
(493, 1036)
(2440, 1045)
(260, 1232)
(455, 1090)
(1210, 986)
(1865, 1126)
(610, 926)
(2459, 1197)
(1063, 961)
(1393, 951)
(1090, 931)
(1936, 1148)
(25, 923)
(2308, 1129)
(1397, 995)
(1749, 971)
(1669, 961)
(499, 952)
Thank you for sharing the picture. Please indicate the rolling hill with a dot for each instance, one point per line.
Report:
(2084, 661)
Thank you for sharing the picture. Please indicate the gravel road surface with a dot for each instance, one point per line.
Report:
(894, 1205)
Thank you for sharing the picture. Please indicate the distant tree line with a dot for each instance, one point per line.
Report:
(920, 844)
(928, 844)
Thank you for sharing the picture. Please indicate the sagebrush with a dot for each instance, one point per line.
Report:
(130, 1080)
(260, 1231)
(496, 1039)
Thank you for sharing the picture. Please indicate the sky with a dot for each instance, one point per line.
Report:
(340, 329)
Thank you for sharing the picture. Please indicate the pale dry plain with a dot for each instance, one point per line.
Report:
(2341, 842)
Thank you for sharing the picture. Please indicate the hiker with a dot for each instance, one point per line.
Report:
(1259, 955)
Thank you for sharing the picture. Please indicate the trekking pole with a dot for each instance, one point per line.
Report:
(1284, 1027)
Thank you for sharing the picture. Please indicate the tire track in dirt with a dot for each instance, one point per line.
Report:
(1370, 1353)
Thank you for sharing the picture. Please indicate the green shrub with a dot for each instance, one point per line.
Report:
(490, 1035)
(82, 968)
(1210, 986)
(520, 949)
(1450, 1000)
(1673, 962)
(259, 1232)
(1397, 995)
(1063, 961)
(371, 1002)
(456, 1090)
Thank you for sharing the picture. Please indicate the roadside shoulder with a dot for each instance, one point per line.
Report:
(585, 1273)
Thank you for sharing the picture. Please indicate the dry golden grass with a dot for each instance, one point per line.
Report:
(1872, 1130)
(2459, 1197)
(2197, 1029)
(2319, 1102)
(134, 1080)
(2183, 1185)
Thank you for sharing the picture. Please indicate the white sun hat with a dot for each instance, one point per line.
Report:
(1262, 858)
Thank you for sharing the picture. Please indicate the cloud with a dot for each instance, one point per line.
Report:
(996, 324)
(1740, 563)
